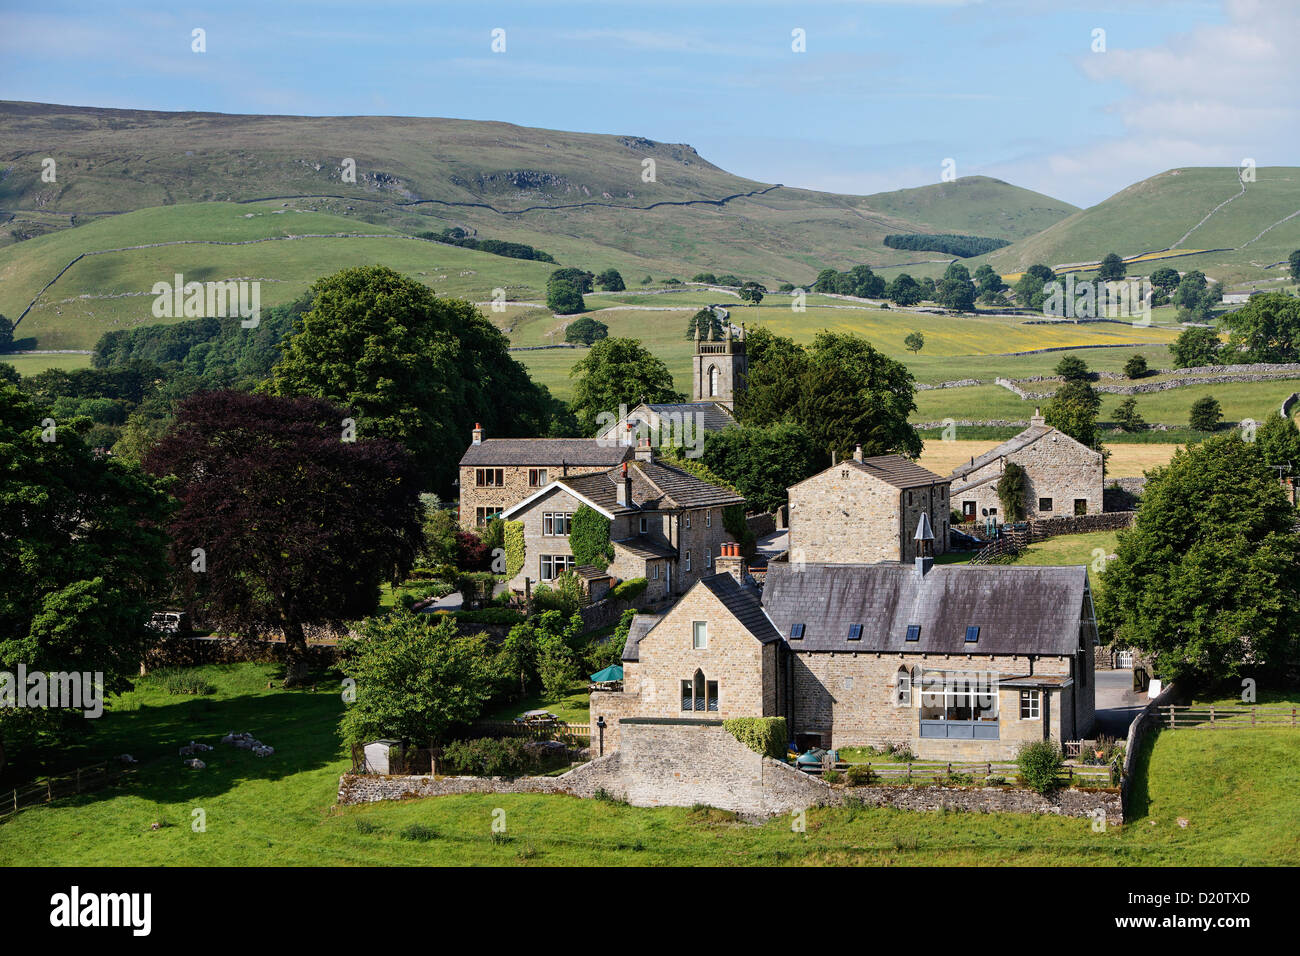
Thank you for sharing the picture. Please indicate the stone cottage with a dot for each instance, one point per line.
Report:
(955, 662)
(496, 473)
(863, 510)
(1063, 477)
(665, 524)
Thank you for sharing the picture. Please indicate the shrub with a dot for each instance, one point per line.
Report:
(629, 590)
(488, 756)
(405, 600)
(959, 779)
(859, 775)
(367, 826)
(563, 594)
(419, 833)
(475, 587)
(1206, 414)
(1011, 489)
(1040, 765)
(995, 781)
(178, 681)
(763, 735)
(833, 776)
(1136, 366)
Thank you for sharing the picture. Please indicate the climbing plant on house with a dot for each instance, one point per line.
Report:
(514, 547)
(589, 538)
(1011, 492)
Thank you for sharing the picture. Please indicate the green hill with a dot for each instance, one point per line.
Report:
(1250, 227)
(581, 197)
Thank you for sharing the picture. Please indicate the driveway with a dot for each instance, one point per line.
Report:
(774, 543)
(1117, 702)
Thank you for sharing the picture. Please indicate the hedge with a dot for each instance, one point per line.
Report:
(629, 590)
(763, 735)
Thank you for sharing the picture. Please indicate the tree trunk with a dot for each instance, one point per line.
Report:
(295, 654)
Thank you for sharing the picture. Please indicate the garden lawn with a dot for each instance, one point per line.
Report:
(1240, 794)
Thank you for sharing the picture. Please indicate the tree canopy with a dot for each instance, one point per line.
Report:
(618, 372)
(1265, 329)
(297, 523)
(84, 558)
(411, 366)
(1206, 579)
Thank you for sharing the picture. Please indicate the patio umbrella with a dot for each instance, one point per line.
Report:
(612, 673)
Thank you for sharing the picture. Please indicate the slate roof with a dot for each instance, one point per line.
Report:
(895, 469)
(545, 452)
(1019, 610)
(1008, 447)
(713, 416)
(646, 548)
(641, 625)
(898, 471)
(655, 487)
(743, 602)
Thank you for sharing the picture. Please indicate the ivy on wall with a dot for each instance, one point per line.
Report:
(589, 538)
(514, 546)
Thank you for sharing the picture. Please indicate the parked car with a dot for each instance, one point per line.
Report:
(170, 622)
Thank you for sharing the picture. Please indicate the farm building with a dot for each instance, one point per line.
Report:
(1063, 477)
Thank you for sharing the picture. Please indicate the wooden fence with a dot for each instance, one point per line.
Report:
(575, 734)
(49, 789)
(1183, 716)
(938, 772)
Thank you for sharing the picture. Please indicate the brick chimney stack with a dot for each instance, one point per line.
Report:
(477, 434)
(643, 450)
(731, 562)
(623, 494)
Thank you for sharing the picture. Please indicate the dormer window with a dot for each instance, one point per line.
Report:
(796, 632)
(972, 634)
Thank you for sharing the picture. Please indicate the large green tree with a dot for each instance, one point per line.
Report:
(1111, 269)
(84, 559)
(772, 383)
(415, 679)
(1278, 441)
(956, 291)
(1206, 580)
(1073, 410)
(1196, 345)
(761, 462)
(411, 366)
(618, 372)
(1265, 329)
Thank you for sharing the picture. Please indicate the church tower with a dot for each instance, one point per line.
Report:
(719, 367)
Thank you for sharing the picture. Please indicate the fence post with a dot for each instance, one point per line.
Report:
(1173, 718)
(49, 789)
(1292, 716)
(1252, 716)
(1211, 717)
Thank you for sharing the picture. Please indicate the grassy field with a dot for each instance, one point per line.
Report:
(34, 364)
(1239, 400)
(112, 290)
(1238, 792)
(1090, 549)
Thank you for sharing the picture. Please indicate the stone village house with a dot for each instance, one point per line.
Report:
(665, 524)
(496, 473)
(1062, 476)
(956, 662)
(863, 510)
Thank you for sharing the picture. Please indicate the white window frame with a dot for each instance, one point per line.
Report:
(708, 518)
(699, 635)
(688, 521)
(1034, 699)
(688, 560)
(708, 558)
(645, 524)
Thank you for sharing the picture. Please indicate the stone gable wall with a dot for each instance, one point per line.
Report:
(1062, 470)
(515, 488)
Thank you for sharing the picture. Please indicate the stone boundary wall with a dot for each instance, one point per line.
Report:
(1147, 720)
(682, 762)
(1081, 524)
(761, 524)
(960, 383)
(608, 610)
(1288, 403)
(193, 651)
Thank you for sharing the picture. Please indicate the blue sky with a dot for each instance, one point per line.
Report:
(885, 92)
